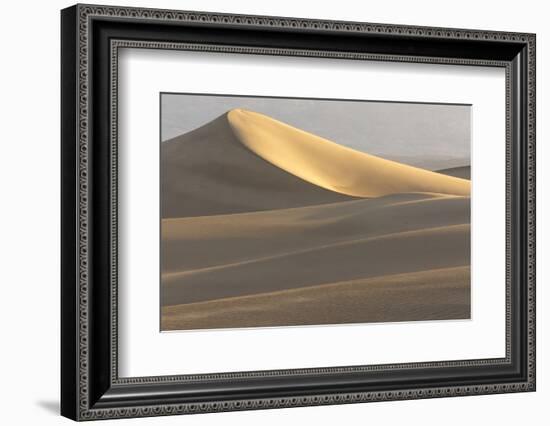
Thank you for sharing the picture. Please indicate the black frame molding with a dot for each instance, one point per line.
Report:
(91, 36)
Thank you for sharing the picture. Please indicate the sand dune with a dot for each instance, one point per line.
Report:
(462, 172)
(209, 171)
(193, 243)
(433, 294)
(245, 161)
(361, 244)
(332, 166)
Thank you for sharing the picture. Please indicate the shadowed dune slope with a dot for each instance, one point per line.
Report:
(202, 242)
(333, 166)
(209, 171)
(270, 251)
(427, 295)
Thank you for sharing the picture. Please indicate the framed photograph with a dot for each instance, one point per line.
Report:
(263, 212)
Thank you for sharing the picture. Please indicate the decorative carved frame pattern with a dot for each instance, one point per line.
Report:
(87, 12)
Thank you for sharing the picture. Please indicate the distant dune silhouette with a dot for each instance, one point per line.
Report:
(266, 224)
(462, 172)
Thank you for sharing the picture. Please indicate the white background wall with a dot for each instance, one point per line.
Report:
(29, 225)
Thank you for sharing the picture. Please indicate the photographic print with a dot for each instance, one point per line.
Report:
(299, 211)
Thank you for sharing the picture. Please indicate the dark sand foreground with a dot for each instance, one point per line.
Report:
(428, 295)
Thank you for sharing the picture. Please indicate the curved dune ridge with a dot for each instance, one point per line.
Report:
(332, 166)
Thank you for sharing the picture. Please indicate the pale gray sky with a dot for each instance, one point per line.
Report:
(432, 136)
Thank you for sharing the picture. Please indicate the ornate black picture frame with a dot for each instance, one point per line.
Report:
(91, 387)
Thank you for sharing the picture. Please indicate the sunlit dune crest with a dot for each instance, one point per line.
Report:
(332, 166)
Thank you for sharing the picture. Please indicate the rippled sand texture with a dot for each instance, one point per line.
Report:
(267, 225)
